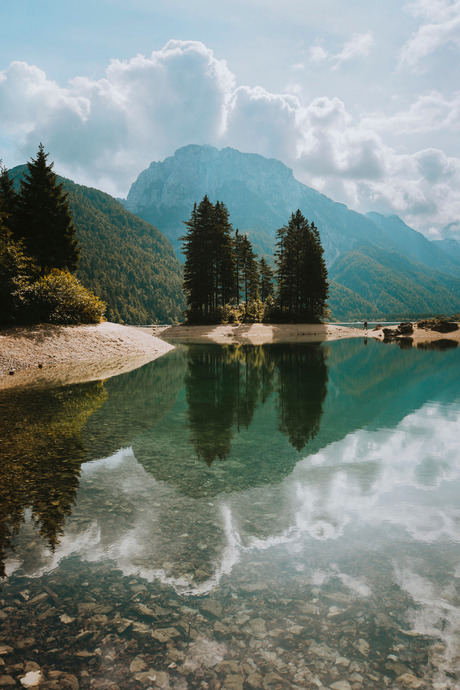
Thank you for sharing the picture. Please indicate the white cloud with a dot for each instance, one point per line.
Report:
(330, 144)
(442, 27)
(107, 130)
(359, 45)
(263, 122)
(104, 132)
(429, 113)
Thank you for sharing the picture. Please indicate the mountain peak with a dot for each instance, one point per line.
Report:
(196, 170)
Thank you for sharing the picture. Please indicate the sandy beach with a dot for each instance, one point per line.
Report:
(260, 334)
(53, 355)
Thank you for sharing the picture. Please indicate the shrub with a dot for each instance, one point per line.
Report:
(16, 270)
(60, 298)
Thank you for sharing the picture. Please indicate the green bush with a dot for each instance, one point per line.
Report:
(16, 270)
(60, 298)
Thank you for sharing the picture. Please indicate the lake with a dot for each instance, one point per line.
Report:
(278, 516)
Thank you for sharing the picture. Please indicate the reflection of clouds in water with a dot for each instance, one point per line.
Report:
(404, 478)
(370, 477)
(436, 614)
(357, 586)
(381, 476)
(110, 463)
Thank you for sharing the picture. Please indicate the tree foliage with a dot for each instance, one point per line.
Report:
(209, 271)
(16, 272)
(59, 297)
(8, 199)
(43, 221)
(223, 281)
(124, 260)
(37, 247)
(302, 273)
(266, 276)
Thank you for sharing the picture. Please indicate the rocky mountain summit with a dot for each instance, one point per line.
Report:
(260, 194)
(378, 266)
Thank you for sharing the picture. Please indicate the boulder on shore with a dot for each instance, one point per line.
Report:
(439, 325)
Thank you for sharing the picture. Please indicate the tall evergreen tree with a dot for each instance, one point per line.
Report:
(238, 260)
(266, 287)
(224, 262)
(219, 269)
(8, 199)
(249, 271)
(302, 273)
(43, 219)
(209, 272)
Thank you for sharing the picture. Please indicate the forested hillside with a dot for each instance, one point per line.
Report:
(394, 285)
(126, 261)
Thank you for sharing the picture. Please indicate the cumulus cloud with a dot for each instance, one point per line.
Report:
(359, 45)
(111, 128)
(330, 144)
(104, 132)
(263, 122)
(452, 231)
(441, 27)
(430, 112)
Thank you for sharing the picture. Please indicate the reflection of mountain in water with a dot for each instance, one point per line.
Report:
(259, 407)
(378, 385)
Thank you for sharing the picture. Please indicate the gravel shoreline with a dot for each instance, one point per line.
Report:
(53, 355)
(71, 354)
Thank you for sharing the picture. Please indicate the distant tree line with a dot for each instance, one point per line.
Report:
(225, 282)
(39, 252)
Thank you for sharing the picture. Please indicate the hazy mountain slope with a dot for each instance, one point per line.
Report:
(449, 246)
(416, 245)
(126, 261)
(395, 285)
(346, 305)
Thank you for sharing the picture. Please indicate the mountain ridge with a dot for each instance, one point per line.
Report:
(261, 194)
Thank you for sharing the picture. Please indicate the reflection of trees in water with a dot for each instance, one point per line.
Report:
(438, 345)
(42, 452)
(225, 384)
(302, 388)
(211, 390)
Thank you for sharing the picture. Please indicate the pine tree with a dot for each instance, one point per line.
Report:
(238, 260)
(208, 270)
(16, 270)
(43, 219)
(302, 273)
(8, 199)
(249, 271)
(266, 287)
(224, 262)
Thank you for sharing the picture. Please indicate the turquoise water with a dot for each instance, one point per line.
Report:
(237, 517)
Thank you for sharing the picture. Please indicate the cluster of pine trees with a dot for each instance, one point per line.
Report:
(39, 252)
(224, 281)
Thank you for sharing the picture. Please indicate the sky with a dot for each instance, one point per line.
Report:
(361, 99)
